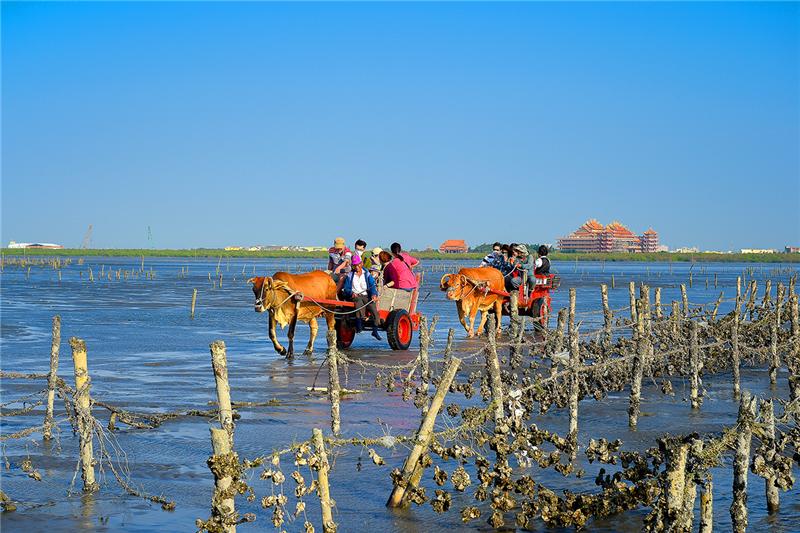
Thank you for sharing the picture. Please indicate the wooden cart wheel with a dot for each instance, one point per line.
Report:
(345, 333)
(399, 330)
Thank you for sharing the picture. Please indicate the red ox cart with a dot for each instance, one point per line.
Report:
(397, 309)
(535, 303)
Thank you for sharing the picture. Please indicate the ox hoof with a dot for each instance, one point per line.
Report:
(281, 351)
(470, 334)
(308, 351)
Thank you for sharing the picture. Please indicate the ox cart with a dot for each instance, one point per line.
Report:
(535, 303)
(397, 309)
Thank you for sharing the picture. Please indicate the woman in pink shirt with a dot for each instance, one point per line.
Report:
(398, 271)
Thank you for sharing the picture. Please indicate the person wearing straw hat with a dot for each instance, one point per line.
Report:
(373, 262)
(339, 258)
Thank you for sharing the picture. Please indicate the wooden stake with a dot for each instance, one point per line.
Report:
(675, 318)
(448, 349)
(659, 311)
(696, 364)
(613, 283)
(574, 383)
(52, 378)
(219, 363)
(637, 371)
(423, 437)
(716, 306)
(324, 491)
(735, 341)
(222, 504)
(685, 300)
(493, 371)
(632, 297)
(194, 301)
(793, 355)
(333, 382)
(83, 411)
(744, 422)
(424, 363)
(607, 319)
(774, 359)
(707, 505)
(768, 422)
(558, 343)
(676, 453)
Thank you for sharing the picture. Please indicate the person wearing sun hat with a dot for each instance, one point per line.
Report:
(339, 257)
(373, 263)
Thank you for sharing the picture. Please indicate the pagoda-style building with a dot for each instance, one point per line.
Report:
(615, 237)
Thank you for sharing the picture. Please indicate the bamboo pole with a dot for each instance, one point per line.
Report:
(751, 302)
(515, 358)
(423, 436)
(424, 362)
(659, 311)
(637, 371)
(52, 378)
(632, 298)
(493, 371)
(793, 358)
(696, 364)
(223, 508)
(685, 301)
(741, 461)
(735, 341)
(83, 411)
(686, 517)
(333, 382)
(219, 363)
(707, 506)
(194, 301)
(448, 349)
(675, 318)
(574, 361)
(324, 491)
(716, 306)
(613, 282)
(774, 359)
(768, 422)
(607, 319)
(676, 453)
(558, 345)
(647, 356)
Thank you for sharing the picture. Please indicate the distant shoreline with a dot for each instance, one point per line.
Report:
(429, 255)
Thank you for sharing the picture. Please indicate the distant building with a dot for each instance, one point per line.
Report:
(687, 250)
(49, 245)
(662, 248)
(615, 237)
(232, 248)
(756, 251)
(792, 249)
(454, 246)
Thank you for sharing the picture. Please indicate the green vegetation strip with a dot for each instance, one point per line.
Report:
(426, 254)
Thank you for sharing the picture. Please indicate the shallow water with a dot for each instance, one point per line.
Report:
(146, 354)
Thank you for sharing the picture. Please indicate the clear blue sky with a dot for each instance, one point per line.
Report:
(221, 123)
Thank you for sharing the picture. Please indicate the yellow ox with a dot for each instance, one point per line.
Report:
(469, 288)
(287, 298)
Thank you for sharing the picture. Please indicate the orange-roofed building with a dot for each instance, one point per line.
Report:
(454, 246)
(615, 237)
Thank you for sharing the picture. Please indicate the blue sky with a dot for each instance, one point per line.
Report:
(243, 123)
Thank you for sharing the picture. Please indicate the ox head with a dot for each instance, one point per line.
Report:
(453, 285)
(265, 289)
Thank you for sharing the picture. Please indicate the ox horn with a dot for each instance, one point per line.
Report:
(442, 281)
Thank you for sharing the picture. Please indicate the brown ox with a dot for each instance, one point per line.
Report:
(287, 298)
(468, 288)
